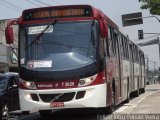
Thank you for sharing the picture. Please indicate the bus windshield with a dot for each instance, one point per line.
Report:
(63, 46)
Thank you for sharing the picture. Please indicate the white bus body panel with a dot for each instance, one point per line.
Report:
(96, 98)
(125, 76)
(136, 75)
(126, 68)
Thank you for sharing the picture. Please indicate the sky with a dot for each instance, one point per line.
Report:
(112, 8)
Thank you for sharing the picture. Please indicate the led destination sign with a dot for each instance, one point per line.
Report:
(56, 13)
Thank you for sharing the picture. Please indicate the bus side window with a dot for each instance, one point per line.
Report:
(127, 48)
(134, 57)
(115, 43)
(143, 60)
(137, 55)
(112, 41)
(107, 48)
(121, 46)
(109, 41)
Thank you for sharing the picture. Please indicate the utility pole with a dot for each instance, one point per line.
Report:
(147, 67)
(154, 72)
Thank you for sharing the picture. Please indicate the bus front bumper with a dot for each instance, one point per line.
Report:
(93, 97)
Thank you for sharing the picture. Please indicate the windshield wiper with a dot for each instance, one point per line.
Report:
(42, 33)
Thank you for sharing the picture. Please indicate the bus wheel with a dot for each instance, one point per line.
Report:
(45, 113)
(110, 109)
(128, 98)
(143, 90)
(137, 93)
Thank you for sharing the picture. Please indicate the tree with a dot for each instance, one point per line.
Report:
(152, 5)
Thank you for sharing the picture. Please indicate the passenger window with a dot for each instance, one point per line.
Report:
(107, 48)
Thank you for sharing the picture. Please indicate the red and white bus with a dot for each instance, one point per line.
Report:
(74, 57)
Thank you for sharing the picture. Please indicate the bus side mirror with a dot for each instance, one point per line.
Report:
(9, 35)
(9, 31)
(103, 29)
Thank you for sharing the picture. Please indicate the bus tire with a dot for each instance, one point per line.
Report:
(128, 94)
(137, 93)
(143, 90)
(128, 99)
(110, 109)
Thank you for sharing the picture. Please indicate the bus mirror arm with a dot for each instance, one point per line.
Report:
(9, 31)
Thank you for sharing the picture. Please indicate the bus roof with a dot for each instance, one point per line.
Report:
(66, 11)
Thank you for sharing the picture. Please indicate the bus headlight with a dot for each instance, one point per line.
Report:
(28, 96)
(28, 85)
(87, 81)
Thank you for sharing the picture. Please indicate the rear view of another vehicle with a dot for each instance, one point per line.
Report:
(9, 96)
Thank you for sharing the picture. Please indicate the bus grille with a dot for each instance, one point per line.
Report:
(57, 97)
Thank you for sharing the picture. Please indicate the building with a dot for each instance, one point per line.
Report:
(8, 60)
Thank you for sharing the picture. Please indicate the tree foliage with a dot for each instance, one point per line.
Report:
(152, 5)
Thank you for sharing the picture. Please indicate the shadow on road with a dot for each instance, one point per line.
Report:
(76, 114)
(71, 117)
(81, 114)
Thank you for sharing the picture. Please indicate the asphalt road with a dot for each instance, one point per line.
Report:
(144, 107)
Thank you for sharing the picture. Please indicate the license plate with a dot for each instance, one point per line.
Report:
(56, 104)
